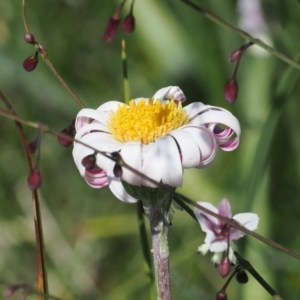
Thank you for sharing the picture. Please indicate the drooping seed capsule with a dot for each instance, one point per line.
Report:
(34, 179)
(128, 24)
(63, 140)
(230, 90)
(29, 38)
(89, 162)
(224, 267)
(242, 277)
(31, 62)
(113, 24)
(111, 29)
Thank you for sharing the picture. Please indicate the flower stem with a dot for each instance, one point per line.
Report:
(146, 252)
(159, 230)
(125, 74)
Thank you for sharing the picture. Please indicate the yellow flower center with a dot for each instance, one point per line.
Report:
(146, 121)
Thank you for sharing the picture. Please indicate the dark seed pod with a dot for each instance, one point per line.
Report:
(242, 277)
(118, 172)
(64, 141)
(31, 62)
(89, 162)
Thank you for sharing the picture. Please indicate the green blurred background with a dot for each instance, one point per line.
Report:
(92, 243)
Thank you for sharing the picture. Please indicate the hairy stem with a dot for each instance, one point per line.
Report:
(159, 230)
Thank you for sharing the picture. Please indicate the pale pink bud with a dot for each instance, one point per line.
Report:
(230, 90)
(224, 267)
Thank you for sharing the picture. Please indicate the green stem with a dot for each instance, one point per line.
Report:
(242, 33)
(125, 74)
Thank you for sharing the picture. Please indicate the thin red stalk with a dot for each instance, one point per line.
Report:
(42, 51)
(42, 284)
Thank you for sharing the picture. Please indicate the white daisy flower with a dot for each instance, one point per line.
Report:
(155, 136)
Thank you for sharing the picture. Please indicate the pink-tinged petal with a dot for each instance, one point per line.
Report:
(118, 189)
(189, 150)
(171, 92)
(206, 221)
(194, 109)
(131, 153)
(85, 115)
(161, 162)
(96, 178)
(248, 220)
(230, 145)
(225, 209)
(160, 94)
(218, 246)
(205, 141)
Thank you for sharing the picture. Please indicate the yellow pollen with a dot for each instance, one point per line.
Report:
(146, 121)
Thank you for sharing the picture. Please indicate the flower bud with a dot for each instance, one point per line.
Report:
(128, 24)
(118, 172)
(89, 162)
(230, 90)
(64, 141)
(242, 277)
(34, 179)
(31, 62)
(221, 295)
(111, 29)
(235, 55)
(29, 38)
(224, 267)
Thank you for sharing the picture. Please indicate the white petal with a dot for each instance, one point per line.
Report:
(131, 153)
(84, 116)
(91, 127)
(161, 162)
(217, 116)
(115, 183)
(248, 220)
(217, 257)
(190, 153)
(218, 246)
(160, 94)
(206, 143)
(194, 108)
(79, 152)
(109, 106)
(204, 219)
(203, 249)
(118, 190)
